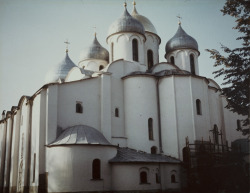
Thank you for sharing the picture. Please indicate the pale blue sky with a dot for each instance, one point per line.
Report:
(32, 33)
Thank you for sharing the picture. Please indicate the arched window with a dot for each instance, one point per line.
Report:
(150, 59)
(238, 125)
(143, 177)
(78, 107)
(172, 59)
(112, 52)
(173, 180)
(101, 67)
(150, 129)
(198, 107)
(116, 112)
(135, 49)
(216, 134)
(192, 66)
(153, 150)
(96, 169)
(157, 178)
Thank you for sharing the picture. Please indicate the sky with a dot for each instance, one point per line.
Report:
(33, 32)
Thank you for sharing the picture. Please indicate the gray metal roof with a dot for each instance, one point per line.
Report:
(181, 40)
(127, 155)
(95, 51)
(148, 26)
(126, 23)
(80, 134)
(59, 71)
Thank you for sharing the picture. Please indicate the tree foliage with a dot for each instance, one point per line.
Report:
(234, 65)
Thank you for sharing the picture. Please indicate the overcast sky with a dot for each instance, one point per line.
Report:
(33, 32)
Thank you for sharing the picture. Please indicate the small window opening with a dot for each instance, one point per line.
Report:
(172, 59)
(216, 134)
(112, 51)
(153, 150)
(78, 107)
(150, 129)
(173, 179)
(143, 177)
(96, 169)
(150, 59)
(101, 67)
(192, 66)
(116, 112)
(157, 178)
(238, 125)
(135, 49)
(198, 107)
(34, 168)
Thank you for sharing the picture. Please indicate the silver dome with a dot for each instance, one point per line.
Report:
(148, 26)
(95, 51)
(126, 23)
(60, 71)
(180, 40)
(80, 134)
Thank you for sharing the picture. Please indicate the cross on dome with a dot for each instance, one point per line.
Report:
(67, 45)
(179, 17)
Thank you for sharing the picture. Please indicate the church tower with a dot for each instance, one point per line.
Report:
(152, 39)
(126, 39)
(182, 50)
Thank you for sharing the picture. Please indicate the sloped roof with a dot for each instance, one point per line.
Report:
(127, 155)
(81, 134)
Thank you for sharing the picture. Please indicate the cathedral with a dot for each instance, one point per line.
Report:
(119, 120)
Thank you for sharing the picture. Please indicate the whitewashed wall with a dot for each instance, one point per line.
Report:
(140, 103)
(88, 93)
(70, 168)
(14, 151)
(152, 43)
(123, 46)
(182, 59)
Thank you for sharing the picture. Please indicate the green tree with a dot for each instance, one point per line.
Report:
(235, 65)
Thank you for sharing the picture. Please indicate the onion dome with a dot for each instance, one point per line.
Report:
(95, 51)
(126, 23)
(148, 26)
(59, 72)
(80, 134)
(181, 40)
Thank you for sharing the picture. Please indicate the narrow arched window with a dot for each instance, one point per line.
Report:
(116, 112)
(101, 67)
(150, 129)
(192, 66)
(78, 107)
(150, 59)
(198, 107)
(238, 125)
(157, 178)
(112, 52)
(143, 177)
(135, 49)
(96, 169)
(173, 180)
(216, 134)
(153, 150)
(172, 59)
